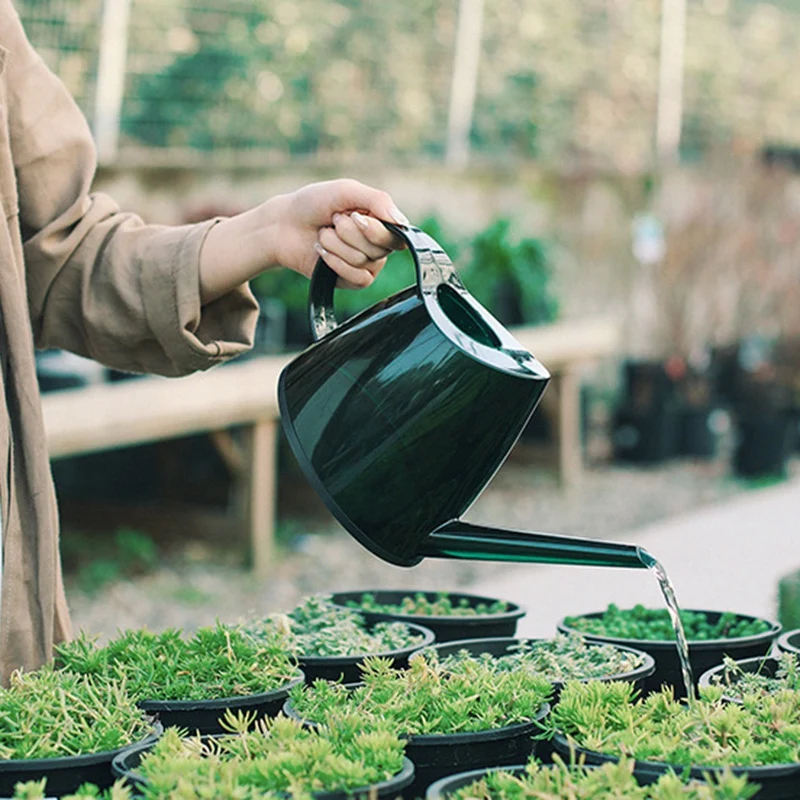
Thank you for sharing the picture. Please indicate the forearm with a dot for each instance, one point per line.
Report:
(238, 248)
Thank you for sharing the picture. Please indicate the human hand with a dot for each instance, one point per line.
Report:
(338, 221)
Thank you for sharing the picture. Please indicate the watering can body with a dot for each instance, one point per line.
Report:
(400, 417)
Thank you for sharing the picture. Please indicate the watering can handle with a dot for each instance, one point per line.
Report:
(321, 316)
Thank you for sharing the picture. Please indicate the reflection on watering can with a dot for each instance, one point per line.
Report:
(400, 417)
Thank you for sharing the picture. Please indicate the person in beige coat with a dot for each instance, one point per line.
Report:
(77, 273)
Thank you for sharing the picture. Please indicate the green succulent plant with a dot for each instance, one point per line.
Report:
(316, 628)
(37, 790)
(278, 758)
(738, 683)
(214, 662)
(655, 624)
(561, 658)
(610, 718)
(52, 713)
(420, 604)
(429, 697)
(613, 781)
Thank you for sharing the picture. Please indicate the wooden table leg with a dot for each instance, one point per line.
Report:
(570, 450)
(260, 480)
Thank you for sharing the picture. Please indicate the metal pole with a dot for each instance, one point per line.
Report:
(670, 80)
(111, 77)
(465, 78)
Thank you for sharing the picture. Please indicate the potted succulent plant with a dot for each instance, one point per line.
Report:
(466, 714)
(763, 674)
(559, 659)
(190, 681)
(450, 615)
(565, 656)
(331, 642)
(601, 722)
(279, 757)
(711, 635)
(63, 729)
(35, 790)
(581, 782)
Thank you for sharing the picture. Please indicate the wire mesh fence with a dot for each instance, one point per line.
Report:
(339, 79)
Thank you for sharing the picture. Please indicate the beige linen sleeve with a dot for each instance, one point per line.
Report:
(101, 282)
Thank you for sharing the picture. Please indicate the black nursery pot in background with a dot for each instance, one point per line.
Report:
(766, 440)
(702, 654)
(348, 668)
(445, 628)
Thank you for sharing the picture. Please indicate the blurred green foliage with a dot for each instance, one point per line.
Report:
(96, 561)
(334, 79)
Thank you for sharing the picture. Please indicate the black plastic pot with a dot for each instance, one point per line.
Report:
(777, 782)
(645, 437)
(444, 787)
(697, 436)
(66, 773)
(126, 764)
(504, 646)
(789, 641)
(765, 665)
(348, 668)
(445, 629)
(203, 716)
(702, 654)
(765, 443)
(501, 647)
(438, 754)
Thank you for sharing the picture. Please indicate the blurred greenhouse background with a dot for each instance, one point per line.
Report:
(326, 80)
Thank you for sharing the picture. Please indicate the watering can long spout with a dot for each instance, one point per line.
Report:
(464, 540)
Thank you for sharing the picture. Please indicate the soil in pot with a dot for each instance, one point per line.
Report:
(578, 782)
(469, 714)
(711, 635)
(600, 722)
(65, 728)
(278, 757)
(450, 615)
(331, 642)
(191, 681)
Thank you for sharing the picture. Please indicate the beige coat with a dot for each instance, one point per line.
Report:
(77, 274)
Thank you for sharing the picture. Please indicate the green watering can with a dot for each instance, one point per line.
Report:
(400, 416)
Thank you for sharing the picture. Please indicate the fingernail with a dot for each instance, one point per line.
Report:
(336, 217)
(398, 216)
(360, 220)
(321, 251)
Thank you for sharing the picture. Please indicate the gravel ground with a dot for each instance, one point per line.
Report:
(200, 583)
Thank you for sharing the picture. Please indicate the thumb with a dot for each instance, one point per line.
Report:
(352, 195)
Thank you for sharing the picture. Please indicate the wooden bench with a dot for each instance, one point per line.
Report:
(243, 395)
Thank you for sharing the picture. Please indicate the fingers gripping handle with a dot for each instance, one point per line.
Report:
(321, 316)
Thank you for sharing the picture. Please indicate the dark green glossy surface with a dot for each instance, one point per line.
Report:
(402, 415)
(397, 429)
(460, 539)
